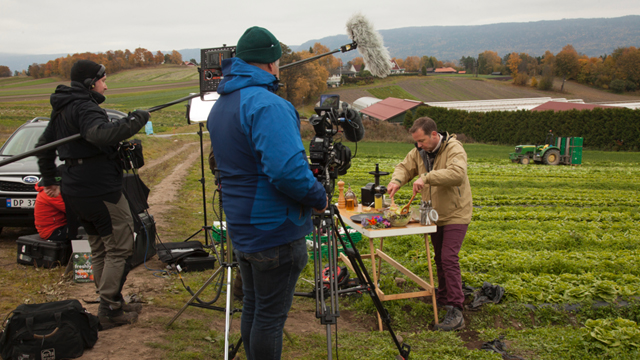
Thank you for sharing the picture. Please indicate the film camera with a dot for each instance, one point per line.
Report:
(211, 66)
(331, 158)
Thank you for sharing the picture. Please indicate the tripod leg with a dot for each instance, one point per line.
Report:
(356, 261)
(195, 295)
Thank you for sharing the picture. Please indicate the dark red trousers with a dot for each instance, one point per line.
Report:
(447, 241)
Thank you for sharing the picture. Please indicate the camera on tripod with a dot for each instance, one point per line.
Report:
(330, 158)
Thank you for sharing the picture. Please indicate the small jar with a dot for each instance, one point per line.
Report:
(351, 201)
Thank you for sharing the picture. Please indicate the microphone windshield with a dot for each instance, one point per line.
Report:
(370, 45)
(353, 128)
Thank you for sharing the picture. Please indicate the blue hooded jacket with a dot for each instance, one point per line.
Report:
(268, 191)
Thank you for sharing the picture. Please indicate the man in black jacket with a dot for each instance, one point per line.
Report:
(92, 181)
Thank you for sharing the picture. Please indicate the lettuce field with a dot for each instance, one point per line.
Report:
(562, 240)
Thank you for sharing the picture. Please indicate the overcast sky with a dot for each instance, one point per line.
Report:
(71, 26)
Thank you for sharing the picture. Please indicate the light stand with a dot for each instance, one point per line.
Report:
(198, 110)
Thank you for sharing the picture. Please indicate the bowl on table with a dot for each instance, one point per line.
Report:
(396, 219)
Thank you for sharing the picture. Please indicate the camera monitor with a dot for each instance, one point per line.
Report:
(328, 103)
(211, 62)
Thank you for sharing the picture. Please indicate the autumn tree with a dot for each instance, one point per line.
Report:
(567, 65)
(175, 57)
(357, 62)
(412, 64)
(628, 64)
(303, 83)
(329, 62)
(488, 62)
(159, 57)
(400, 62)
(5, 71)
(513, 63)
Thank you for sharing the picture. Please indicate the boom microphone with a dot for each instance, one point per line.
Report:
(370, 45)
(352, 128)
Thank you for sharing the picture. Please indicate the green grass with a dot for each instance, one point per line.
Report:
(391, 91)
(15, 82)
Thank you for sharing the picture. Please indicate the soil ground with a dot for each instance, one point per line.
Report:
(128, 342)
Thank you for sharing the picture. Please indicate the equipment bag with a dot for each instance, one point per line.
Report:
(172, 253)
(131, 154)
(49, 331)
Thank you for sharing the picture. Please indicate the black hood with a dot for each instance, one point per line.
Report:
(67, 94)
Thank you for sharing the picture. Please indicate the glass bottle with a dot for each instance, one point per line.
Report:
(350, 199)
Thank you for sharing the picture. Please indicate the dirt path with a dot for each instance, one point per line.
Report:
(163, 194)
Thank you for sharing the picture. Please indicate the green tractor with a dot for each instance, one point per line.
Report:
(561, 150)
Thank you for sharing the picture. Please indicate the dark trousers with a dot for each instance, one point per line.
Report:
(108, 222)
(268, 281)
(447, 241)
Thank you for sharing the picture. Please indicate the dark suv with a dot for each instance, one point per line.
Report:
(18, 179)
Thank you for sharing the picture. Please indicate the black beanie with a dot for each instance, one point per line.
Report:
(84, 69)
(258, 45)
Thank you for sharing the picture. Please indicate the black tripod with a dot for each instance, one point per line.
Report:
(326, 280)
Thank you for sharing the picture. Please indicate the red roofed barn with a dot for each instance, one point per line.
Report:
(390, 109)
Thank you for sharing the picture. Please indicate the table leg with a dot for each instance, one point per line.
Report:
(380, 259)
(433, 296)
(372, 251)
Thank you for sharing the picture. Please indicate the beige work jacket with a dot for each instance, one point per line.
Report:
(447, 185)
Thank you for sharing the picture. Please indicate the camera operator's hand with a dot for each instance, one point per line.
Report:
(52, 190)
(325, 207)
(392, 188)
(141, 115)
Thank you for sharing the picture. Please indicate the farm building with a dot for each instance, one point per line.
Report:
(395, 69)
(499, 104)
(364, 102)
(334, 80)
(525, 104)
(445, 70)
(390, 109)
(564, 106)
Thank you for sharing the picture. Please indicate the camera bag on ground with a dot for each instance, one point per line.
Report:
(177, 252)
(49, 331)
(171, 253)
(35, 251)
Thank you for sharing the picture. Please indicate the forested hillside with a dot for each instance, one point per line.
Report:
(592, 37)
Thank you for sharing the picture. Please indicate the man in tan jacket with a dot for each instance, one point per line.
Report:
(440, 162)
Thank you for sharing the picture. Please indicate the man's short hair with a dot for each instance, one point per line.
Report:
(426, 124)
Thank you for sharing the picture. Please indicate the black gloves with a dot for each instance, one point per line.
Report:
(141, 115)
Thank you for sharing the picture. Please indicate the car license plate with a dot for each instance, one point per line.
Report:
(21, 203)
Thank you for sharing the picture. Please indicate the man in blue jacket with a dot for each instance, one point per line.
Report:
(268, 191)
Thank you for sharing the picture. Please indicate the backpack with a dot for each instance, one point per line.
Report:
(49, 331)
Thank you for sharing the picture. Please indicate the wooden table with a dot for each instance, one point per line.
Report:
(409, 229)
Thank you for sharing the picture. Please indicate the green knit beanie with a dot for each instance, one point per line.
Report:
(258, 45)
